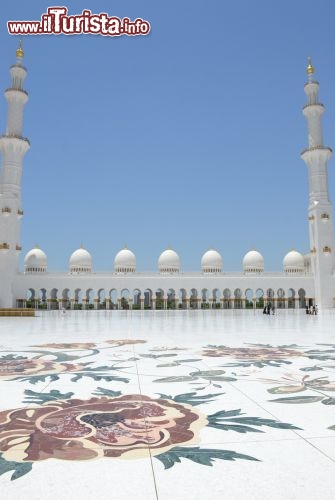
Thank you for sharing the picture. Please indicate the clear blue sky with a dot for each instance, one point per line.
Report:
(188, 137)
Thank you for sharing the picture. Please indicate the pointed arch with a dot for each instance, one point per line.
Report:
(249, 295)
(227, 298)
(260, 298)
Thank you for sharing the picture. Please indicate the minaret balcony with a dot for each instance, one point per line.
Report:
(311, 218)
(326, 250)
(12, 89)
(4, 247)
(311, 83)
(314, 105)
(324, 217)
(13, 136)
(20, 214)
(317, 150)
(6, 210)
(18, 248)
(18, 66)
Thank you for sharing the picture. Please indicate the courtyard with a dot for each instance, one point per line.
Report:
(167, 404)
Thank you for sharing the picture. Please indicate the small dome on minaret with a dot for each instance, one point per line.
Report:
(310, 69)
(19, 50)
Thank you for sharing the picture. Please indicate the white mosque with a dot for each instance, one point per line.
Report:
(304, 280)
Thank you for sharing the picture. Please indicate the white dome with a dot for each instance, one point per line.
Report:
(169, 262)
(294, 262)
(211, 262)
(80, 261)
(35, 261)
(253, 262)
(125, 261)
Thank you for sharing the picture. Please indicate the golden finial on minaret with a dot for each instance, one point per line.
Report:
(19, 51)
(310, 69)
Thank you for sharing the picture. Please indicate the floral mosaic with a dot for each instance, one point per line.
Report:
(69, 345)
(258, 355)
(14, 368)
(74, 429)
(115, 424)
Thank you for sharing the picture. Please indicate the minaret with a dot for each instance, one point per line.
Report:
(321, 232)
(13, 148)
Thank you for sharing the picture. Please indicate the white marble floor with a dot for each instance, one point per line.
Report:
(166, 405)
